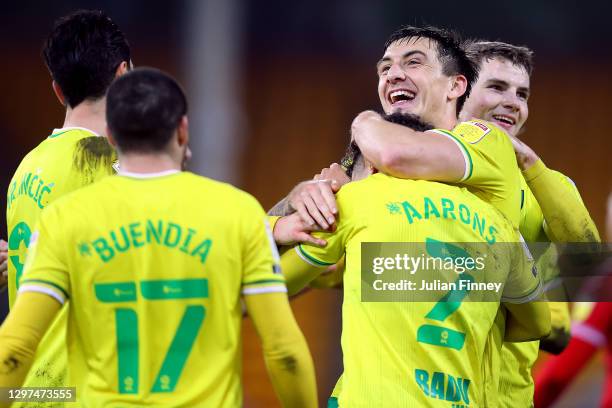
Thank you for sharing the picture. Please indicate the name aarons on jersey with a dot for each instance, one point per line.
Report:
(445, 208)
(444, 387)
(141, 233)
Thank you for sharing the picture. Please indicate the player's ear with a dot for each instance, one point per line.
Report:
(458, 86)
(59, 93)
(110, 138)
(183, 131)
(123, 68)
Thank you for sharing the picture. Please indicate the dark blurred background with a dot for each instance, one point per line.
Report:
(273, 87)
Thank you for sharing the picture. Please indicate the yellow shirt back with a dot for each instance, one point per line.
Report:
(154, 269)
(386, 362)
(67, 160)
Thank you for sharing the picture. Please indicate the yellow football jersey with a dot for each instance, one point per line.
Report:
(68, 159)
(154, 268)
(405, 354)
(491, 171)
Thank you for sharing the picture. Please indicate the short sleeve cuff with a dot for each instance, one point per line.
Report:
(264, 286)
(41, 286)
(310, 259)
(466, 154)
(531, 296)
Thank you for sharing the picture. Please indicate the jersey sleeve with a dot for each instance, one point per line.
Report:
(333, 252)
(490, 163)
(523, 283)
(46, 267)
(568, 220)
(261, 264)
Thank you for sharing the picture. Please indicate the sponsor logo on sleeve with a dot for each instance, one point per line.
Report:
(473, 131)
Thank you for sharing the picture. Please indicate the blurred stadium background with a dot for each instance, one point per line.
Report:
(273, 87)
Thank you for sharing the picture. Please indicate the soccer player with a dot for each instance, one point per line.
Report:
(155, 279)
(404, 354)
(500, 96)
(424, 72)
(551, 207)
(84, 53)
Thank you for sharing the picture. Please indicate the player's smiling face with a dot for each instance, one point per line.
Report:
(500, 95)
(410, 79)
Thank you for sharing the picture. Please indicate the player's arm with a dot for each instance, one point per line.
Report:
(298, 272)
(291, 229)
(44, 288)
(332, 278)
(559, 336)
(314, 200)
(528, 316)
(305, 262)
(20, 334)
(527, 321)
(285, 350)
(402, 152)
(566, 216)
(263, 287)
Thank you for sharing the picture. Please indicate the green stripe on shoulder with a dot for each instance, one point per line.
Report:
(51, 136)
(46, 283)
(467, 153)
(311, 258)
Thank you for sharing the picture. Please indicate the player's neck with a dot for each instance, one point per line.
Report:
(147, 163)
(88, 114)
(449, 119)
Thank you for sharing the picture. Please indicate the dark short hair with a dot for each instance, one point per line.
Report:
(451, 54)
(143, 110)
(83, 52)
(409, 120)
(479, 50)
(351, 156)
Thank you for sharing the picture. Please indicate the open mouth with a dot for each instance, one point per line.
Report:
(401, 95)
(504, 120)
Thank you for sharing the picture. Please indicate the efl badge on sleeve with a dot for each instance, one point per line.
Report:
(472, 131)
